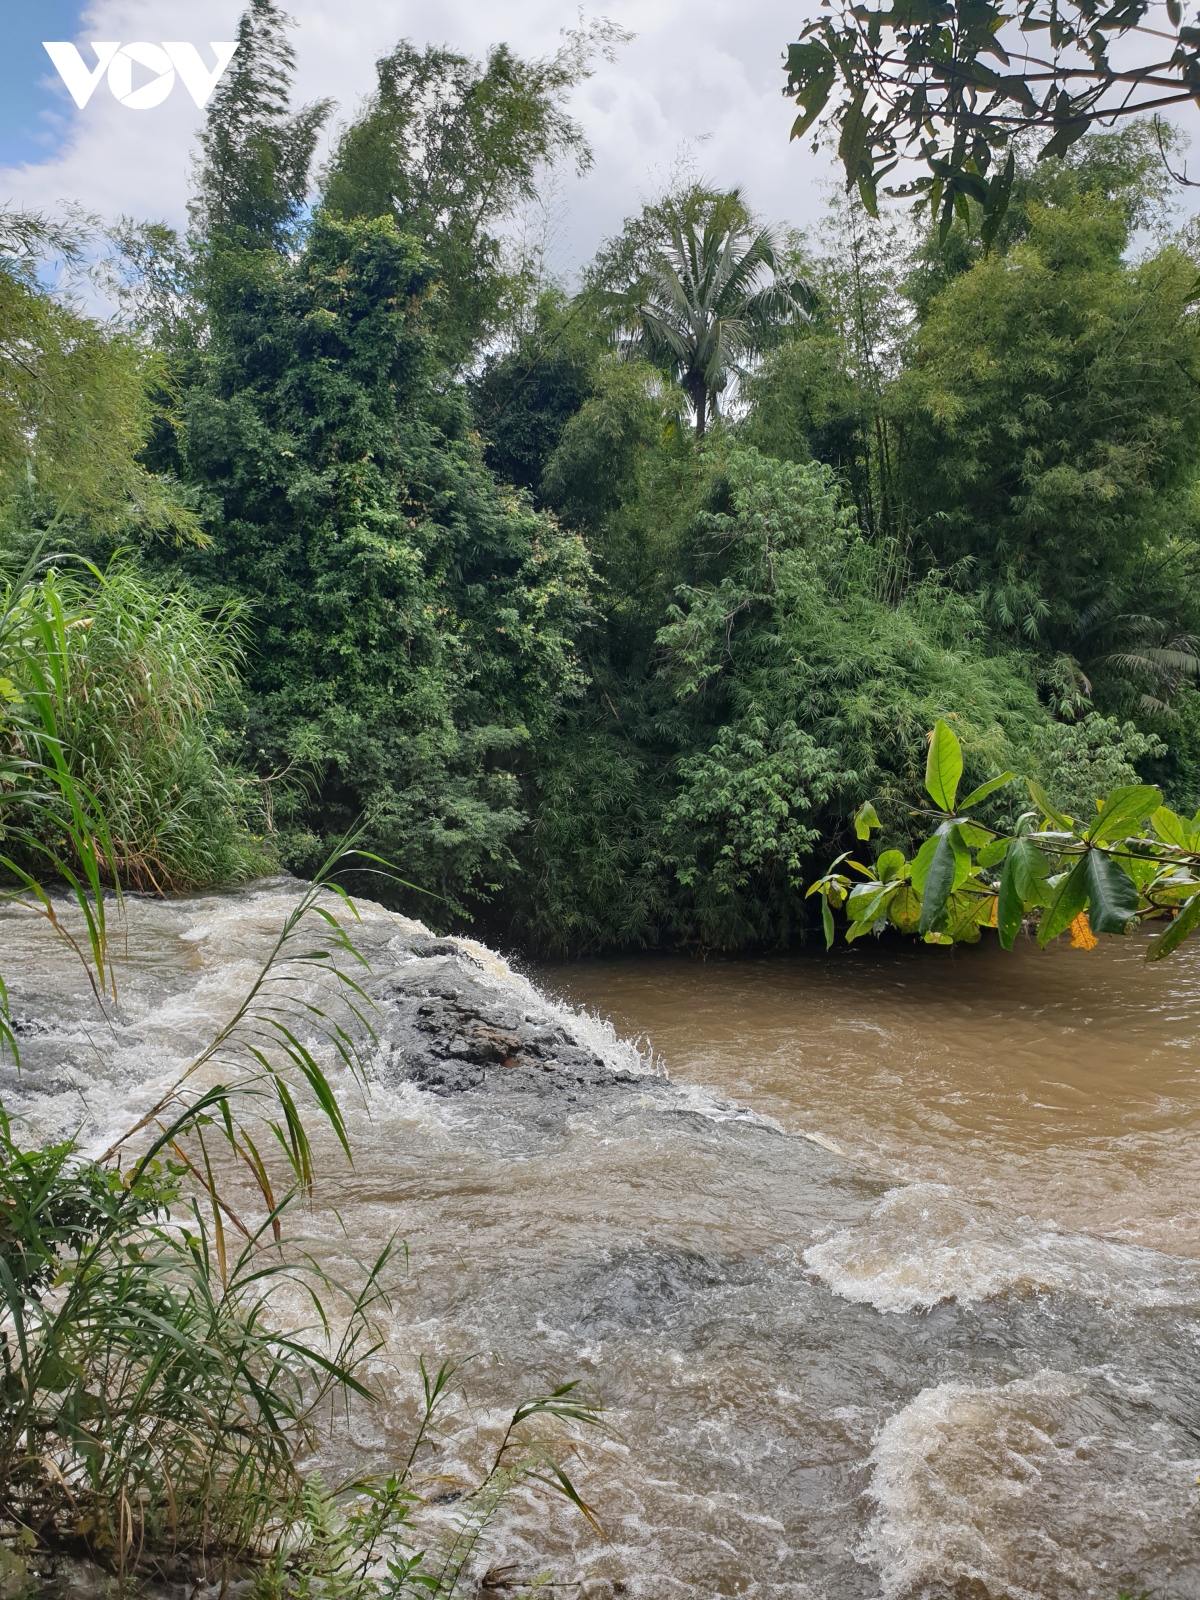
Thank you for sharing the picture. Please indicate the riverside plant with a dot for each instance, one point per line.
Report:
(153, 1415)
(1133, 861)
(118, 679)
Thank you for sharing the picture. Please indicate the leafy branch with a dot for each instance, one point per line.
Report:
(1135, 861)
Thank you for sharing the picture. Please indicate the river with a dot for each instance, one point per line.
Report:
(890, 1290)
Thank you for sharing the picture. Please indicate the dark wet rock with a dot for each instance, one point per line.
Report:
(452, 1031)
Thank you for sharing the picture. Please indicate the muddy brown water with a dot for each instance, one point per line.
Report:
(1060, 1082)
(891, 1289)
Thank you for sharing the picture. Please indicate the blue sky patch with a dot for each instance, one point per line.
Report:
(36, 111)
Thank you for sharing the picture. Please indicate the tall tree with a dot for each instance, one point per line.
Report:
(713, 298)
(253, 177)
(450, 148)
(75, 408)
(414, 623)
(1051, 412)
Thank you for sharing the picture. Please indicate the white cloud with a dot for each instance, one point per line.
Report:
(702, 74)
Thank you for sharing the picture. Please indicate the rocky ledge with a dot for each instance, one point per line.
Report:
(454, 1018)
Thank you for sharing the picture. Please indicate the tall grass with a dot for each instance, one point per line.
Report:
(134, 673)
(149, 1409)
(51, 825)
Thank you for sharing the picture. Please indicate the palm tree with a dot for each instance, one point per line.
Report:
(713, 298)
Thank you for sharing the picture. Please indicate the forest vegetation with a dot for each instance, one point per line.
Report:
(602, 608)
(610, 615)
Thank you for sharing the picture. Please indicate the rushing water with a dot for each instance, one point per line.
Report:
(891, 1293)
(1061, 1083)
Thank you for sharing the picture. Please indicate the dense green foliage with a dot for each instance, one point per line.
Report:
(605, 610)
(134, 674)
(449, 148)
(414, 619)
(1053, 408)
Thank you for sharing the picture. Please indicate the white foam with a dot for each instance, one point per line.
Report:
(1027, 1489)
(924, 1244)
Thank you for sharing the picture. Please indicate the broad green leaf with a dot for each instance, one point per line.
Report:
(1044, 803)
(1142, 869)
(1171, 829)
(923, 859)
(889, 864)
(811, 72)
(991, 853)
(943, 767)
(1124, 812)
(1112, 894)
(862, 897)
(827, 922)
(963, 913)
(1070, 898)
(1011, 904)
(865, 819)
(856, 132)
(1175, 931)
(996, 204)
(973, 835)
(1032, 870)
(904, 910)
(868, 913)
(985, 789)
(939, 882)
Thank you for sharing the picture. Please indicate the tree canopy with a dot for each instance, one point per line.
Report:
(603, 608)
(956, 86)
(713, 296)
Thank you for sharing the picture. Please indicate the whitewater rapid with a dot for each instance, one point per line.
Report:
(820, 1382)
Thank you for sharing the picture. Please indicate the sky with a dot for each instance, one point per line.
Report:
(699, 83)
